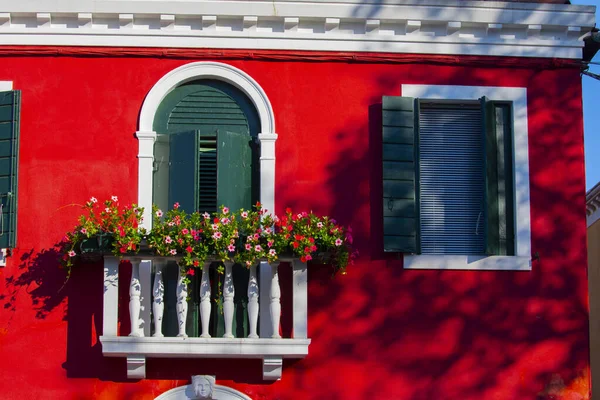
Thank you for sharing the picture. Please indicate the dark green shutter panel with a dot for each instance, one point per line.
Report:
(234, 160)
(183, 169)
(10, 104)
(400, 175)
(498, 178)
(207, 193)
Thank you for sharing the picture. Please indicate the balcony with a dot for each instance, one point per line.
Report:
(147, 310)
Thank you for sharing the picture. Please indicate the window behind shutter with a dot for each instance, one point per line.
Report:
(10, 104)
(400, 217)
(451, 178)
(499, 178)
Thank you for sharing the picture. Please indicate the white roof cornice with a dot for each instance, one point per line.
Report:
(401, 26)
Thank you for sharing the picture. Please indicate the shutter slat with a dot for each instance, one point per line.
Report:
(451, 180)
(400, 217)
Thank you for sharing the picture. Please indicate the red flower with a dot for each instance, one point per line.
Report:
(189, 249)
(306, 250)
(289, 228)
(196, 263)
(191, 271)
(313, 248)
(216, 221)
(311, 240)
(257, 204)
(298, 237)
(295, 244)
(303, 259)
(288, 210)
(123, 249)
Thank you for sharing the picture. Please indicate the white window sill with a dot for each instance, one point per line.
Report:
(483, 263)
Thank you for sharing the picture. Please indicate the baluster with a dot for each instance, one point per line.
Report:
(253, 302)
(205, 305)
(228, 293)
(158, 305)
(275, 302)
(135, 291)
(182, 305)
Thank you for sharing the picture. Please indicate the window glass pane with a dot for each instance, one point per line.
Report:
(451, 179)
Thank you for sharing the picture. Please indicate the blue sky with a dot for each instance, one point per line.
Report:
(591, 116)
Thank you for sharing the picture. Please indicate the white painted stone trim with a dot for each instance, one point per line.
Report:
(518, 96)
(5, 86)
(187, 392)
(409, 26)
(592, 205)
(205, 70)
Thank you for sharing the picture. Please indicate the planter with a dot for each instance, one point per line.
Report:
(93, 248)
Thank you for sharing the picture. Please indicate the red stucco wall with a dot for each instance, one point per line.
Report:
(380, 332)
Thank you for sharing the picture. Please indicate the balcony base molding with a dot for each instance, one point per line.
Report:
(136, 349)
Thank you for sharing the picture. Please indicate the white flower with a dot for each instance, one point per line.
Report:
(272, 252)
(168, 240)
(217, 235)
(214, 227)
(107, 210)
(338, 242)
(206, 215)
(225, 210)
(72, 253)
(244, 214)
(257, 248)
(159, 213)
(173, 252)
(94, 200)
(115, 198)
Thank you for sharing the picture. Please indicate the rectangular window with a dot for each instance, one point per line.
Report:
(448, 177)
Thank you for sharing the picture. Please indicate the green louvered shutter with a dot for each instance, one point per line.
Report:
(400, 175)
(234, 170)
(498, 177)
(10, 105)
(184, 170)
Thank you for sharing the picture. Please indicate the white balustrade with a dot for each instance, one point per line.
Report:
(228, 295)
(253, 303)
(135, 291)
(275, 307)
(205, 305)
(270, 347)
(158, 305)
(182, 305)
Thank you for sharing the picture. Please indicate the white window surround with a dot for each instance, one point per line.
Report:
(522, 258)
(5, 86)
(205, 70)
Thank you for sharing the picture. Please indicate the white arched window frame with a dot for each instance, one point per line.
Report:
(205, 70)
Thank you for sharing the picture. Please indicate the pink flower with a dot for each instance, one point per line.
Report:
(206, 215)
(270, 243)
(72, 253)
(231, 247)
(338, 242)
(257, 248)
(225, 210)
(185, 231)
(319, 224)
(83, 230)
(217, 235)
(94, 200)
(244, 214)
(189, 249)
(107, 210)
(171, 223)
(173, 252)
(168, 240)
(299, 215)
(159, 213)
(191, 271)
(268, 231)
(256, 236)
(214, 227)
(248, 246)
(225, 221)
(114, 198)
(176, 206)
(248, 263)
(308, 257)
(272, 252)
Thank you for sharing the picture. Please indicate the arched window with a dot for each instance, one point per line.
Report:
(206, 151)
